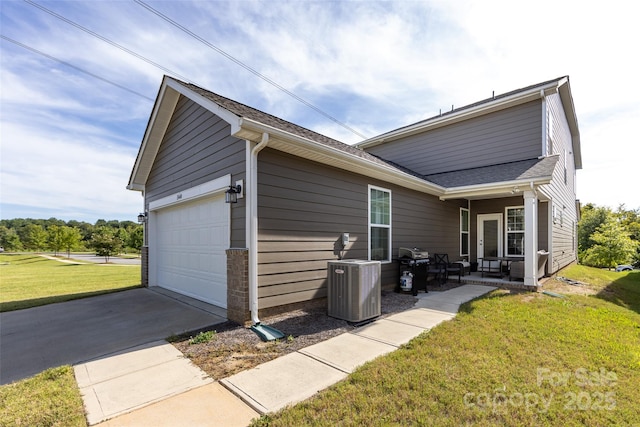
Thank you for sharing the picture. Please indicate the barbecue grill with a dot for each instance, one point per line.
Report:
(416, 262)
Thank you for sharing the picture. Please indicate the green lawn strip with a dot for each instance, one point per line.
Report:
(50, 398)
(523, 359)
(31, 280)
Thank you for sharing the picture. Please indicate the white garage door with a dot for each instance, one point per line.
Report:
(192, 239)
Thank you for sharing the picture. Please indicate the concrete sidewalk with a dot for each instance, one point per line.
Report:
(168, 390)
(155, 373)
(297, 376)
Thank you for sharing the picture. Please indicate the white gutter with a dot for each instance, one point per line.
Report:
(252, 219)
(492, 188)
(301, 147)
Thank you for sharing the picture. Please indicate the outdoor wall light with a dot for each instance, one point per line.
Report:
(142, 218)
(231, 195)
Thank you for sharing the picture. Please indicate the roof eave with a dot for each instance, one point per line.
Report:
(311, 150)
(467, 113)
(494, 189)
(166, 101)
(572, 119)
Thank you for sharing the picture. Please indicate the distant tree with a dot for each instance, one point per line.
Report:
(630, 220)
(55, 239)
(105, 242)
(71, 238)
(123, 235)
(86, 230)
(136, 237)
(612, 245)
(46, 223)
(34, 237)
(9, 239)
(591, 217)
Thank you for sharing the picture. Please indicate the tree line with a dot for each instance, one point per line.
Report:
(106, 238)
(607, 238)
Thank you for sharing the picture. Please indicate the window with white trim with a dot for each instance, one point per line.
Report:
(379, 224)
(515, 231)
(464, 232)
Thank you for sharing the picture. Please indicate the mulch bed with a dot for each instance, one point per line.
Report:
(235, 348)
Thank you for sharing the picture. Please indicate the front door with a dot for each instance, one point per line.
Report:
(489, 235)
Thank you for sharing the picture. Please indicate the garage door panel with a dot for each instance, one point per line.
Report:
(192, 239)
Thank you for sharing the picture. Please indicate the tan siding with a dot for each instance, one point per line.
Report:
(304, 207)
(499, 137)
(197, 148)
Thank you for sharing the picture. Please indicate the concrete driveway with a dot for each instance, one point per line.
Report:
(39, 338)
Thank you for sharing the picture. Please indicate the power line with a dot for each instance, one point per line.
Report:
(247, 67)
(104, 39)
(53, 58)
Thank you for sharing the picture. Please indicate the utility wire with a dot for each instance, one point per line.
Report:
(104, 39)
(247, 67)
(53, 58)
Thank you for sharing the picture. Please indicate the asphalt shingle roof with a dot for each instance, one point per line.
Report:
(504, 172)
(519, 170)
(243, 110)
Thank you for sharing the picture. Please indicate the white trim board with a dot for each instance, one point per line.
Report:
(193, 193)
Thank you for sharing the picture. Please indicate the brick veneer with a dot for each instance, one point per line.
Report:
(238, 285)
(144, 255)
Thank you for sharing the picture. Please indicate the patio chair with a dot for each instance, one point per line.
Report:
(450, 268)
(437, 271)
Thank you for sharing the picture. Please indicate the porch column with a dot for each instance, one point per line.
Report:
(530, 238)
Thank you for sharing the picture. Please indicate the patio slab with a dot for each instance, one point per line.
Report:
(347, 351)
(460, 295)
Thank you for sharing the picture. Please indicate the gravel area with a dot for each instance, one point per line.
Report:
(234, 348)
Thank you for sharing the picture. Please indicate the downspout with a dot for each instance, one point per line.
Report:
(253, 227)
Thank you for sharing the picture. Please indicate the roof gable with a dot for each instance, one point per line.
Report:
(495, 103)
(250, 124)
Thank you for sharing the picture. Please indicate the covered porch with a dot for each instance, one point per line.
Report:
(506, 217)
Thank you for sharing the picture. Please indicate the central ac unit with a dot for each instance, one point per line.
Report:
(353, 290)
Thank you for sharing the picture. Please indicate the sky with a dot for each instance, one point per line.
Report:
(78, 80)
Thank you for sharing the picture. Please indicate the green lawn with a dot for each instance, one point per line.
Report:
(31, 280)
(50, 398)
(506, 359)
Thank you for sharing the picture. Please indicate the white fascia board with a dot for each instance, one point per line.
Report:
(226, 115)
(158, 122)
(202, 190)
(168, 95)
(305, 148)
(464, 114)
(570, 113)
(501, 189)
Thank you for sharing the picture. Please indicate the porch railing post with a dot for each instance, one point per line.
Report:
(530, 238)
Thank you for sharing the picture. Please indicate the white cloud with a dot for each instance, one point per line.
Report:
(65, 175)
(69, 140)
